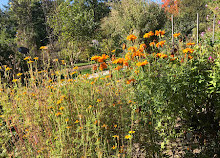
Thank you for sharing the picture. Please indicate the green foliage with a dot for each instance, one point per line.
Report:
(129, 16)
(185, 21)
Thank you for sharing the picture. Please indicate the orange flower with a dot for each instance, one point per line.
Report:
(143, 46)
(131, 38)
(159, 33)
(94, 67)
(149, 34)
(142, 63)
(176, 35)
(138, 53)
(129, 81)
(125, 63)
(152, 44)
(146, 35)
(158, 55)
(190, 44)
(128, 56)
(95, 57)
(161, 55)
(164, 56)
(188, 50)
(118, 67)
(103, 66)
(118, 61)
(161, 43)
(103, 58)
(172, 59)
(132, 49)
(190, 57)
(58, 114)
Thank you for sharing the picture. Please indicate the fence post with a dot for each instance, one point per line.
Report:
(172, 28)
(213, 33)
(197, 34)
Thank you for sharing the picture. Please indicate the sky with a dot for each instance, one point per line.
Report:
(3, 2)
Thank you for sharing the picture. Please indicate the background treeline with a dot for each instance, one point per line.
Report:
(75, 30)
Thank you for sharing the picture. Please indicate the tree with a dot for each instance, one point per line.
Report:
(77, 23)
(31, 29)
(133, 16)
(171, 6)
(7, 35)
(186, 20)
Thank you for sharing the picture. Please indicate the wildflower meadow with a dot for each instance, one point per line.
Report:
(145, 92)
(132, 111)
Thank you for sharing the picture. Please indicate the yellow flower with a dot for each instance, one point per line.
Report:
(74, 72)
(59, 101)
(113, 51)
(67, 120)
(36, 58)
(19, 74)
(30, 61)
(75, 68)
(63, 61)
(131, 38)
(128, 136)
(77, 121)
(115, 136)
(14, 80)
(44, 47)
(8, 68)
(61, 108)
(124, 46)
(115, 126)
(68, 127)
(26, 58)
(50, 107)
(55, 60)
(131, 132)
(99, 100)
(114, 147)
